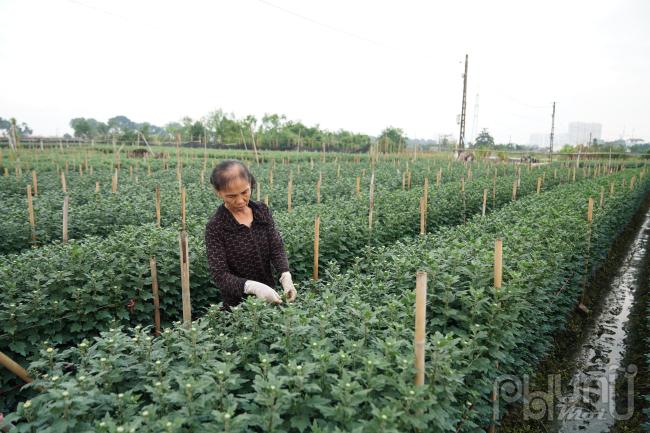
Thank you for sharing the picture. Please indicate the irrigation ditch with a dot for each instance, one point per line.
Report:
(595, 378)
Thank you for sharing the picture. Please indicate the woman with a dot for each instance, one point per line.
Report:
(242, 241)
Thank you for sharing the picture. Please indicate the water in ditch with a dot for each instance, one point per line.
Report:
(589, 403)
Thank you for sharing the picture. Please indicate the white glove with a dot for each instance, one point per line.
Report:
(262, 291)
(287, 285)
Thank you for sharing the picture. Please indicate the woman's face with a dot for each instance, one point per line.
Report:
(236, 194)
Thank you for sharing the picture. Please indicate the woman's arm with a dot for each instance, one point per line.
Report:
(230, 285)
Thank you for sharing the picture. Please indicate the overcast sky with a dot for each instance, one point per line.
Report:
(357, 65)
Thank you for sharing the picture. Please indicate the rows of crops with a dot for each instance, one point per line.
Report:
(81, 288)
(338, 360)
(101, 213)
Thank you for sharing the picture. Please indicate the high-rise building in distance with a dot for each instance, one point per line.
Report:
(580, 132)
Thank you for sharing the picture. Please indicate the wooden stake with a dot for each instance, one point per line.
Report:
(65, 218)
(602, 196)
(514, 190)
(96, 187)
(64, 186)
(156, 299)
(372, 200)
(539, 184)
(423, 219)
(35, 182)
(30, 210)
(289, 193)
(426, 194)
(183, 193)
(114, 182)
(316, 246)
(13, 366)
(590, 210)
(420, 323)
(498, 263)
(266, 199)
(185, 278)
(318, 183)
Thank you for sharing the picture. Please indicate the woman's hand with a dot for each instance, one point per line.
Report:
(262, 291)
(287, 285)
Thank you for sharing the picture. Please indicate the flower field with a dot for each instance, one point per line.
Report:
(79, 314)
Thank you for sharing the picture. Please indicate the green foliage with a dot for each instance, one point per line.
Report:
(484, 139)
(341, 358)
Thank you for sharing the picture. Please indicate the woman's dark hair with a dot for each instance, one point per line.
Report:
(222, 174)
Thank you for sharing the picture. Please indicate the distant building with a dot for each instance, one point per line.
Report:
(580, 132)
(543, 140)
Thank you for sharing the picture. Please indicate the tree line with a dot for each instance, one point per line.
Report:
(271, 131)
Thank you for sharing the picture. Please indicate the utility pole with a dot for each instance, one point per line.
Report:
(550, 148)
(461, 139)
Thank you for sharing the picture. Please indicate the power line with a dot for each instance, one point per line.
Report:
(319, 23)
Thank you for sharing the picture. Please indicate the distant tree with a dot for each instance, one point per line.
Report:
(484, 139)
(22, 129)
(81, 127)
(197, 131)
(391, 139)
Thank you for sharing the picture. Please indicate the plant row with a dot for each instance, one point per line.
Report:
(340, 359)
(66, 292)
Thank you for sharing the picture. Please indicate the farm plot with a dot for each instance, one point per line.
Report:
(341, 358)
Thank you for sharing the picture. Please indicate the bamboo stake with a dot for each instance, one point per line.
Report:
(539, 184)
(289, 193)
(185, 278)
(13, 366)
(35, 182)
(266, 199)
(426, 194)
(498, 263)
(420, 323)
(96, 187)
(632, 183)
(318, 183)
(65, 218)
(183, 212)
(158, 206)
(258, 190)
(156, 299)
(514, 190)
(422, 216)
(30, 210)
(114, 182)
(372, 200)
(602, 196)
(64, 186)
(316, 246)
